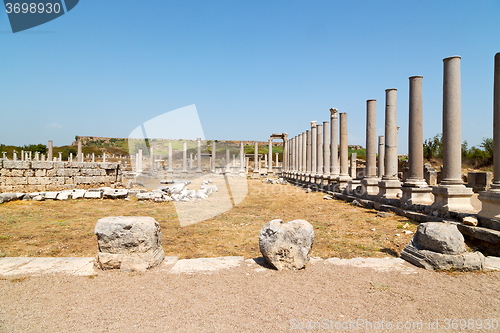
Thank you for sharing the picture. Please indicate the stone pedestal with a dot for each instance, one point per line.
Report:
(451, 194)
(370, 186)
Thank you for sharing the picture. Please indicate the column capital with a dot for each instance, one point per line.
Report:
(313, 123)
(333, 113)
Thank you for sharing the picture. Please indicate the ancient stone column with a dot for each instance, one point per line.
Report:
(343, 178)
(334, 144)
(270, 153)
(370, 180)
(293, 155)
(286, 163)
(70, 157)
(381, 156)
(234, 160)
(14, 155)
(489, 216)
(228, 162)
(308, 153)
(319, 151)
(415, 189)
(4, 155)
(213, 157)
(314, 149)
(170, 169)
(326, 149)
(22, 155)
(256, 159)
(151, 159)
(79, 157)
(242, 156)
(50, 155)
(190, 164)
(304, 152)
(353, 167)
(198, 160)
(390, 186)
(139, 158)
(299, 153)
(93, 157)
(277, 162)
(451, 194)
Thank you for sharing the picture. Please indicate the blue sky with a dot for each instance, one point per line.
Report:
(252, 68)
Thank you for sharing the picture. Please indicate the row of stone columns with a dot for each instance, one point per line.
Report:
(315, 152)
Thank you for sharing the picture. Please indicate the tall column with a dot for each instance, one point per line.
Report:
(370, 180)
(151, 159)
(242, 156)
(451, 194)
(212, 166)
(326, 149)
(256, 159)
(22, 155)
(353, 160)
(60, 157)
(228, 162)
(334, 144)
(308, 153)
(415, 189)
(14, 155)
(198, 160)
(390, 186)
(304, 152)
(170, 169)
(293, 145)
(319, 151)
(139, 159)
(489, 216)
(277, 160)
(299, 153)
(314, 148)
(343, 178)
(286, 163)
(270, 159)
(93, 157)
(79, 157)
(50, 156)
(381, 156)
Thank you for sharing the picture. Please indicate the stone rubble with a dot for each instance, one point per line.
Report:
(176, 191)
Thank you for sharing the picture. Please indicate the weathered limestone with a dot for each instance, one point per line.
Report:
(451, 194)
(381, 156)
(303, 165)
(334, 144)
(415, 189)
(390, 186)
(314, 148)
(184, 158)
(242, 156)
(50, 156)
(256, 160)
(270, 153)
(319, 151)
(352, 168)
(228, 162)
(198, 159)
(326, 149)
(79, 157)
(308, 154)
(344, 177)
(132, 244)
(491, 199)
(441, 246)
(370, 180)
(286, 246)
(170, 169)
(213, 157)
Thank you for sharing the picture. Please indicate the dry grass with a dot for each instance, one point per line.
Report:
(66, 228)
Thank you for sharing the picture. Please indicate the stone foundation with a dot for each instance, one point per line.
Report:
(37, 176)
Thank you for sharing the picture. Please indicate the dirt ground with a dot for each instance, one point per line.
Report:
(339, 298)
(66, 228)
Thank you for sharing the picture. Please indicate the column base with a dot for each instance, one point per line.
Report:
(389, 189)
(351, 187)
(452, 198)
(342, 182)
(489, 216)
(416, 195)
(370, 186)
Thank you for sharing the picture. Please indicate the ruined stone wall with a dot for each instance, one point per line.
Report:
(37, 176)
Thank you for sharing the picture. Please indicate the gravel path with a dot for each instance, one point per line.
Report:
(248, 298)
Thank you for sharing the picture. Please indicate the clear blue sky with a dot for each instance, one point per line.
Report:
(251, 67)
